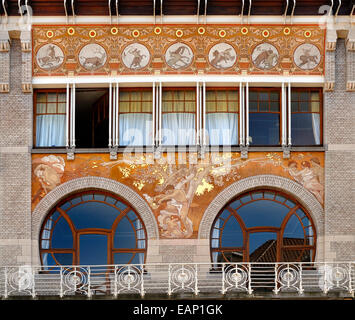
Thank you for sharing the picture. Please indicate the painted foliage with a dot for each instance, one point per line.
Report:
(178, 194)
(173, 49)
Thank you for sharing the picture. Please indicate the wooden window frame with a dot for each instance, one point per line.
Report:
(269, 90)
(320, 112)
(35, 114)
(279, 231)
(76, 233)
(234, 89)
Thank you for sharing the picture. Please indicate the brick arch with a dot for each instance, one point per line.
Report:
(297, 191)
(99, 183)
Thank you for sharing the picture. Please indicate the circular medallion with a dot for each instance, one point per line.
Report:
(265, 56)
(92, 56)
(135, 33)
(71, 31)
(157, 30)
(307, 56)
(287, 31)
(244, 30)
(201, 30)
(49, 34)
(179, 55)
(49, 57)
(307, 34)
(266, 33)
(135, 56)
(222, 33)
(92, 33)
(179, 33)
(114, 30)
(222, 56)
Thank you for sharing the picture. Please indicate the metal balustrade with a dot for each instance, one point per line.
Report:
(278, 279)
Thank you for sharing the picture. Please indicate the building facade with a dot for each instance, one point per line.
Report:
(200, 139)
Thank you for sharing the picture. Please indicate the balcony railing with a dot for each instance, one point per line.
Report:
(281, 279)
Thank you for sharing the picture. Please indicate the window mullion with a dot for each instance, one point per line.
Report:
(204, 113)
(289, 114)
(153, 113)
(241, 114)
(67, 116)
(110, 116)
(247, 113)
(283, 113)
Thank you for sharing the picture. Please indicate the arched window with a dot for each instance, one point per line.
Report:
(263, 226)
(92, 228)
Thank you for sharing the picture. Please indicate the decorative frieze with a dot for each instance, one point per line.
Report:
(178, 49)
(26, 61)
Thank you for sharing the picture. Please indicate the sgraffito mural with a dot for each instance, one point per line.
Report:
(178, 192)
(173, 49)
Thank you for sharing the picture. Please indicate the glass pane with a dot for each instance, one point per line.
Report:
(293, 233)
(61, 107)
(62, 97)
(147, 106)
(263, 213)
(262, 247)
(93, 249)
(264, 106)
(190, 95)
(304, 106)
(236, 204)
(93, 215)
(41, 97)
(136, 106)
(315, 106)
(190, 106)
(264, 128)
(124, 106)
(305, 129)
(147, 96)
(275, 96)
(253, 95)
(135, 96)
(65, 259)
(294, 106)
(263, 96)
(122, 258)
(62, 237)
(210, 106)
(222, 106)
(138, 258)
(124, 96)
(233, 106)
(235, 256)
(294, 96)
(48, 260)
(232, 235)
(274, 106)
(253, 106)
(167, 106)
(304, 96)
(296, 255)
(41, 108)
(124, 235)
(221, 95)
(51, 108)
(233, 95)
(52, 97)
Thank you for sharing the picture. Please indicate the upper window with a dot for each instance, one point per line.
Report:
(49, 118)
(179, 116)
(263, 226)
(92, 228)
(222, 116)
(306, 117)
(264, 116)
(135, 117)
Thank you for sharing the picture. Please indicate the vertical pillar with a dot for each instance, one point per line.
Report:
(330, 59)
(26, 61)
(4, 62)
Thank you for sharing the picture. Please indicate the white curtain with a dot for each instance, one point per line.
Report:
(140, 235)
(222, 128)
(178, 129)
(316, 127)
(135, 129)
(50, 130)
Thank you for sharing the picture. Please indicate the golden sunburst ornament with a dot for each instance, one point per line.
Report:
(179, 33)
(266, 33)
(244, 30)
(92, 33)
(307, 33)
